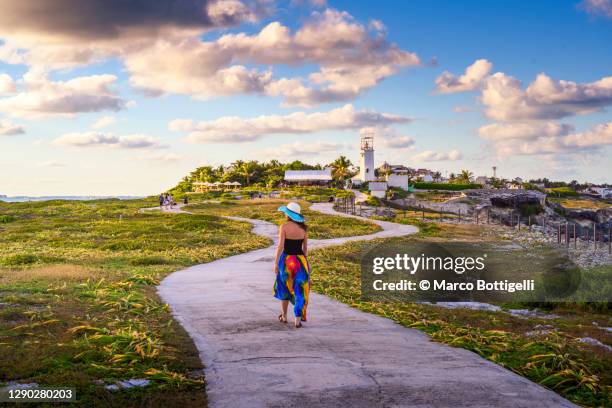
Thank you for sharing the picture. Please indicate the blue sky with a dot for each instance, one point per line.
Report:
(559, 130)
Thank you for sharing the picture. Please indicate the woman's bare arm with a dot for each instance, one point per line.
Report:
(280, 247)
(305, 245)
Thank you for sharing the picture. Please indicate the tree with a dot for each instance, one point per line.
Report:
(341, 169)
(465, 177)
(437, 176)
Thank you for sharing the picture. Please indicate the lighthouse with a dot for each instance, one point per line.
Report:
(366, 162)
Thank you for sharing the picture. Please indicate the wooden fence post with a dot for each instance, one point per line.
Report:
(559, 233)
(575, 238)
(595, 236)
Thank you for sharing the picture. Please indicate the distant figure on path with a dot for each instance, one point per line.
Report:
(292, 270)
(161, 200)
(185, 200)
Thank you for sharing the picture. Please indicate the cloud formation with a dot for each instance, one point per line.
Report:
(545, 98)
(232, 129)
(100, 139)
(110, 19)
(7, 128)
(350, 57)
(104, 121)
(430, 155)
(301, 149)
(42, 97)
(510, 139)
(597, 7)
(7, 85)
(469, 81)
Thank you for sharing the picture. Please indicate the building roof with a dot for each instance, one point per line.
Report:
(377, 186)
(308, 175)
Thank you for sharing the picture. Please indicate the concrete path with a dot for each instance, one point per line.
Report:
(341, 358)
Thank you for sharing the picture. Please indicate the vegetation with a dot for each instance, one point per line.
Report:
(446, 186)
(79, 306)
(553, 358)
(254, 173)
(320, 226)
(578, 203)
(562, 192)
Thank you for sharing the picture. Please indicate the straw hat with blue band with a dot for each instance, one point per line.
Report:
(293, 211)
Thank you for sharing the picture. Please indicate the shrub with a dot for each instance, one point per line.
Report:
(446, 186)
(562, 192)
(4, 219)
(19, 259)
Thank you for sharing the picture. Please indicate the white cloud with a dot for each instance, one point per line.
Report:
(430, 155)
(349, 57)
(471, 80)
(99, 139)
(524, 130)
(104, 121)
(7, 85)
(387, 137)
(598, 7)
(51, 163)
(232, 129)
(554, 139)
(164, 158)
(301, 149)
(8, 128)
(544, 98)
(42, 97)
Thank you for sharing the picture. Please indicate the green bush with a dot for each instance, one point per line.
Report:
(19, 259)
(446, 186)
(562, 192)
(4, 219)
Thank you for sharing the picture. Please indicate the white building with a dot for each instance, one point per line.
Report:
(378, 188)
(398, 180)
(306, 177)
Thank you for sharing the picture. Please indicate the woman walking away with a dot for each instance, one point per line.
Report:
(161, 200)
(292, 282)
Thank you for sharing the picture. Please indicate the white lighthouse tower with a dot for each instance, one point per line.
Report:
(366, 162)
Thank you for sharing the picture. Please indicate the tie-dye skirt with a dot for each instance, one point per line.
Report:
(293, 282)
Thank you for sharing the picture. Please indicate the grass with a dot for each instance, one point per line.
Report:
(78, 305)
(320, 226)
(555, 360)
(580, 203)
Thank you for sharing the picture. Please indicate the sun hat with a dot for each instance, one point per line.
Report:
(293, 211)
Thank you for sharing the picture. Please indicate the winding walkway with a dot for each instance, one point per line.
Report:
(341, 358)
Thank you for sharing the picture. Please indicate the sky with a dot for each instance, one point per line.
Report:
(124, 97)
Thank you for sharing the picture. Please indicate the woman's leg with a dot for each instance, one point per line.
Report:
(284, 307)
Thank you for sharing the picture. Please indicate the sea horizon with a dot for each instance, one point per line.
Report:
(18, 199)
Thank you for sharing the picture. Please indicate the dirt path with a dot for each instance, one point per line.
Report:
(341, 358)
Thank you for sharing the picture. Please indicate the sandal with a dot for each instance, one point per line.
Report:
(297, 326)
(282, 319)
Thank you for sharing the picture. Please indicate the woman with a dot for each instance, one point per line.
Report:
(291, 266)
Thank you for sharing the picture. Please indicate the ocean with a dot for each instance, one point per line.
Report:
(18, 199)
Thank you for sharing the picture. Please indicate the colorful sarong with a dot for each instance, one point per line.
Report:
(292, 282)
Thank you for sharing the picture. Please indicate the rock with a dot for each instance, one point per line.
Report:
(134, 382)
(14, 385)
(531, 313)
(594, 342)
(467, 305)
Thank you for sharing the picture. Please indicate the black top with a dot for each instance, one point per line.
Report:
(293, 246)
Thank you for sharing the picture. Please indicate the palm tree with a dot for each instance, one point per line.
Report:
(341, 168)
(246, 170)
(437, 176)
(465, 176)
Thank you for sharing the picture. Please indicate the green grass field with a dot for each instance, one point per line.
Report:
(556, 360)
(78, 304)
(320, 226)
